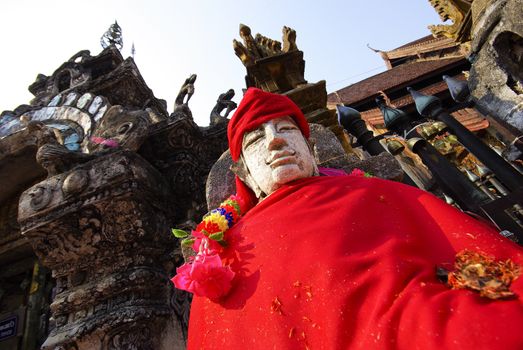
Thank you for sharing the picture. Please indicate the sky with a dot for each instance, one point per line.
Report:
(174, 39)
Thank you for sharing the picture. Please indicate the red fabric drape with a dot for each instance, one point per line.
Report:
(349, 263)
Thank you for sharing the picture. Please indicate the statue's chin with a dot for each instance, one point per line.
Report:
(288, 172)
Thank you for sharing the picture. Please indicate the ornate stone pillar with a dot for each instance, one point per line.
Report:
(102, 229)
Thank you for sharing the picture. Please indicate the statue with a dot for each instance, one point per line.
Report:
(297, 260)
(181, 103)
(224, 102)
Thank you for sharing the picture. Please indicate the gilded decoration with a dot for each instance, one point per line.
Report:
(453, 10)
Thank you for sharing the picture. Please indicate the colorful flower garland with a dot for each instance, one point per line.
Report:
(204, 274)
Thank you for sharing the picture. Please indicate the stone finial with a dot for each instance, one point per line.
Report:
(113, 36)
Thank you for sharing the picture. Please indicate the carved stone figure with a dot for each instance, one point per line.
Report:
(224, 102)
(317, 261)
(124, 128)
(181, 103)
(186, 91)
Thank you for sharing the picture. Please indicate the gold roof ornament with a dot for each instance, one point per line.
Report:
(457, 11)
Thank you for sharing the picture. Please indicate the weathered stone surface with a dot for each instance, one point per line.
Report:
(220, 182)
(496, 78)
(120, 175)
(101, 228)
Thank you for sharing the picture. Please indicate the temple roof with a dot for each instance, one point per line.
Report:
(396, 77)
(422, 45)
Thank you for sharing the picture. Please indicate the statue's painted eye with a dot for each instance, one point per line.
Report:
(286, 124)
(252, 139)
(287, 127)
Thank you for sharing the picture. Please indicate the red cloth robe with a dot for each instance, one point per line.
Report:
(349, 263)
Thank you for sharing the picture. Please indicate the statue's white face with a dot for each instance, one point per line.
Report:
(277, 153)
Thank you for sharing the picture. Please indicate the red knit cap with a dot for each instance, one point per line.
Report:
(256, 108)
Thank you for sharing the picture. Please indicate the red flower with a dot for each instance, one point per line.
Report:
(357, 172)
(207, 226)
(205, 276)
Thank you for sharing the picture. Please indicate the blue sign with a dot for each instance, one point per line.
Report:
(8, 327)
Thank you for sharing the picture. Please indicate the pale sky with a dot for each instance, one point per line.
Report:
(174, 39)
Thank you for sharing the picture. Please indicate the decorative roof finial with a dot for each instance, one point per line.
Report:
(113, 36)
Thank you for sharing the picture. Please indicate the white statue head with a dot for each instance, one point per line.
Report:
(274, 154)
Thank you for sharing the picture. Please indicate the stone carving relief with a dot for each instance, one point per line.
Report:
(132, 338)
(72, 74)
(120, 174)
(81, 112)
(102, 228)
(125, 128)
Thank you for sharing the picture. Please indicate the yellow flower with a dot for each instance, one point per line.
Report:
(219, 220)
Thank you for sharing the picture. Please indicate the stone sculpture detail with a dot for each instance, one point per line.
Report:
(105, 174)
(181, 103)
(259, 47)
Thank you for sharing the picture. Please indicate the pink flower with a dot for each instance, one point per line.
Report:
(357, 172)
(205, 276)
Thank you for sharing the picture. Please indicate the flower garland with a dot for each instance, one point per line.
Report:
(204, 274)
